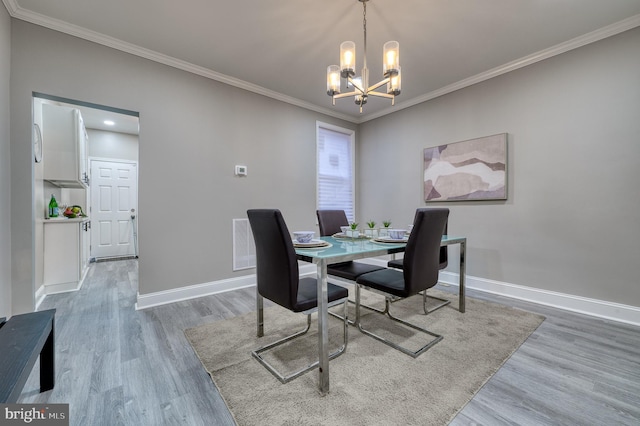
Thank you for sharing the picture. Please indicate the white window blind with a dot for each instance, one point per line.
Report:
(335, 169)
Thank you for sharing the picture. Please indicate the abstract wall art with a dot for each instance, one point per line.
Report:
(475, 169)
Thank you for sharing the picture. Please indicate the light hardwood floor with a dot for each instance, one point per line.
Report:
(119, 366)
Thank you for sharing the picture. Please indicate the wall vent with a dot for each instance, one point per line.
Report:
(244, 249)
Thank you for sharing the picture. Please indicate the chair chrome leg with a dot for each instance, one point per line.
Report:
(260, 314)
(351, 322)
(402, 349)
(445, 302)
(342, 283)
(287, 378)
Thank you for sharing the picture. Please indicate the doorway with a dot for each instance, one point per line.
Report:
(113, 208)
(112, 136)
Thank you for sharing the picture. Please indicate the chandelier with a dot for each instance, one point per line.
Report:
(361, 89)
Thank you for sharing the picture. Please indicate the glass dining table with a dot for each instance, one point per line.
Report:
(343, 250)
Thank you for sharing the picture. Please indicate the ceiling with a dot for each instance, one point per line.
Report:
(281, 48)
(94, 116)
(95, 119)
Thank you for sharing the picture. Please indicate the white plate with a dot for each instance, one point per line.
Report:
(310, 251)
(390, 240)
(341, 236)
(311, 244)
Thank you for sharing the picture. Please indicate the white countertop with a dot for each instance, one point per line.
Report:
(66, 219)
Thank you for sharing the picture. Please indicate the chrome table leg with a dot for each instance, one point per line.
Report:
(462, 296)
(323, 330)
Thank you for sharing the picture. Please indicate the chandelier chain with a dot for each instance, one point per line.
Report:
(364, 27)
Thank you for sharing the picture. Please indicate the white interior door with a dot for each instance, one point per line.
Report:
(114, 193)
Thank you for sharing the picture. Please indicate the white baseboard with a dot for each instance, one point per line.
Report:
(48, 289)
(62, 287)
(191, 292)
(593, 307)
(40, 295)
(583, 305)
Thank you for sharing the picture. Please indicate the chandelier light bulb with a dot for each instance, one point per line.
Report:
(333, 80)
(391, 58)
(394, 86)
(348, 59)
(357, 82)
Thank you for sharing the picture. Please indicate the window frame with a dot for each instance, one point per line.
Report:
(352, 152)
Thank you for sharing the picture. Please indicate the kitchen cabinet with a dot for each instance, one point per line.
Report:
(64, 147)
(66, 253)
(85, 245)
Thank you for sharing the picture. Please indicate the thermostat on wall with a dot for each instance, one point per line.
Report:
(241, 170)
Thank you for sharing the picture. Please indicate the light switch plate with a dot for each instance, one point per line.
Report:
(241, 170)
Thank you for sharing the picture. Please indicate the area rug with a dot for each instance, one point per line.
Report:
(371, 383)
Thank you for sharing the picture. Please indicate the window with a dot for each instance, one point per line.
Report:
(335, 169)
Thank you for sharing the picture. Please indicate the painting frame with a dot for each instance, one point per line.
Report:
(470, 170)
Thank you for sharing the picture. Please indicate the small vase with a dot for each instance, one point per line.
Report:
(353, 233)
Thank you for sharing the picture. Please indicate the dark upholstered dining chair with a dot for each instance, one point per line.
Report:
(444, 261)
(330, 222)
(420, 272)
(279, 281)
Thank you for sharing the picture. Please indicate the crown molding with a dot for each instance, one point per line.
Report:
(35, 18)
(11, 6)
(597, 35)
(44, 21)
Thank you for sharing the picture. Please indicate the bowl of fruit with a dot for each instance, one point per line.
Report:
(73, 212)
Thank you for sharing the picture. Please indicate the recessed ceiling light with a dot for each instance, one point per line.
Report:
(109, 122)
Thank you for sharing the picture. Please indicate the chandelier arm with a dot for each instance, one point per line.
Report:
(377, 85)
(355, 84)
(381, 95)
(346, 95)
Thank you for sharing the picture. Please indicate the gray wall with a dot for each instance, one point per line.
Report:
(570, 223)
(192, 133)
(5, 165)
